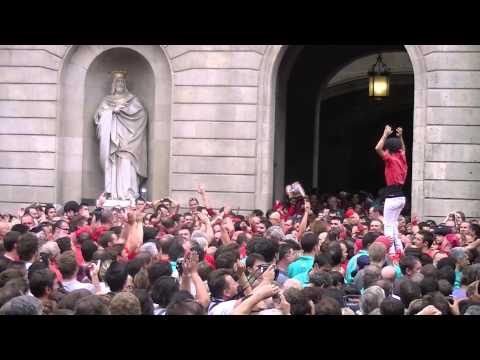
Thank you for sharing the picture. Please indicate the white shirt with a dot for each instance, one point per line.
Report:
(221, 308)
(74, 284)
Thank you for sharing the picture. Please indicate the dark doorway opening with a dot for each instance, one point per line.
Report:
(350, 123)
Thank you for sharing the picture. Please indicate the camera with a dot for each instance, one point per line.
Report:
(179, 265)
(295, 191)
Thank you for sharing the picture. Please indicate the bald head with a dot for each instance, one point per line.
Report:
(292, 283)
(275, 218)
(388, 273)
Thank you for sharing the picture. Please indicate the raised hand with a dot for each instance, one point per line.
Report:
(269, 274)
(266, 291)
(388, 130)
(101, 200)
(399, 131)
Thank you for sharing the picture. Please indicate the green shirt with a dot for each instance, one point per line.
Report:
(352, 265)
(301, 265)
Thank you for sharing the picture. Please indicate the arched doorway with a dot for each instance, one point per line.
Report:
(273, 116)
(84, 79)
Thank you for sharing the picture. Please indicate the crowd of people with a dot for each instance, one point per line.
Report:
(308, 255)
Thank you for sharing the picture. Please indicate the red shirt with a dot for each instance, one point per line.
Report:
(395, 168)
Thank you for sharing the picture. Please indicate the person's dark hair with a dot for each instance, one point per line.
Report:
(196, 247)
(91, 305)
(321, 260)
(217, 282)
(351, 289)
(407, 263)
(8, 293)
(64, 244)
(392, 306)
(425, 259)
(146, 302)
(83, 237)
(257, 212)
(71, 205)
(116, 276)
(18, 265)
(335, 253)
(168, 223)
(27, 246)
(321, 279)
(10, 240)
(294, 244)
(226, 260)
(58, 311)
(250, 260)
(313, 293)
(267, 248)
(67, 264)
(159, 269)
(19, 283)
(106, 217)
(149, 234)
(230, 247)
(163, 290)
(299, 303)
(48, 207)
(429, 270)
(447, 273)
(22, 229)
(308, 242)
(139, 261)
(328, 306)
(409, 291)
(125, 303)
(9, 274)
(283, 250)
(88, 248)
(393, 145)
(428, 285)
(448, 261)
(105, 239)
(337, 279)
(70, 300)
(185, 307)
(445, 287)
(22, 305)
(371, 275)
(427, 237)
(368, 239)
(204, 270)
(176, 249)
(40, 280)
(439, 301)
(117, 230)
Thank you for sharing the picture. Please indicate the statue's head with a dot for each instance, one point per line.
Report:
(119, 85)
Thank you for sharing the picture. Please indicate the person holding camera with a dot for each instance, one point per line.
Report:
(392, 152)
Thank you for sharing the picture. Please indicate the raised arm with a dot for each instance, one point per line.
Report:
(304, 223)
(203, 194)
(381, 142)
(400, 135)
(259, 294)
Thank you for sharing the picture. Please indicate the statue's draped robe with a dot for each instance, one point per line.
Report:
(123, 144)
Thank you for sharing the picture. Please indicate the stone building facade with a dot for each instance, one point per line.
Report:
(212, 121)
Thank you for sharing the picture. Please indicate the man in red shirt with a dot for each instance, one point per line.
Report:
(392, 152)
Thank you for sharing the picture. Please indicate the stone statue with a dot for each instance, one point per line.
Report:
(122, 130)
